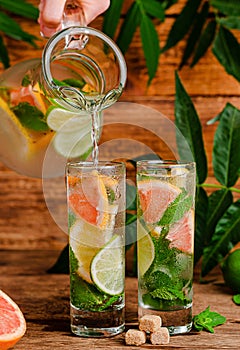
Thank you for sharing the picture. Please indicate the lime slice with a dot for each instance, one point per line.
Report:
(85, 240)
(73, 131)
(73, 144)
(145, 248)
(107, 267)
(59, 118)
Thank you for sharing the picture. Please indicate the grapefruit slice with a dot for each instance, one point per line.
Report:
(89, 200)
(12, 322)
(181, 233)
(155, 196)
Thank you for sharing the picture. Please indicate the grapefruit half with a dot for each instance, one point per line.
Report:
(12, 322)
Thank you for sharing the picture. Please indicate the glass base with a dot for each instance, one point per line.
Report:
(84, 331)
(177, 321)
(97, 323)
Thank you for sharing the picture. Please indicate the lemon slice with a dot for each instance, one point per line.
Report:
(13, 134)
(85, 240)
(146, 251)
(107, 267)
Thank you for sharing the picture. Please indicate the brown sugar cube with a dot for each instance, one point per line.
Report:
(135, 337)
(150, 323)
(160, 337)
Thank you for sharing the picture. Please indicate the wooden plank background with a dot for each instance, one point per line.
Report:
(25, 222)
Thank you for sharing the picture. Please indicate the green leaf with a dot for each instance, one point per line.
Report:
(188, 123)
(205, 41)
(131, 203)
(207, 320)
(228, 7)
(4, 54)
(62, 263)
(168, 3)
(154, 8)
(226, 235)
(219, 201)
(182, 24)
(226, 148)
(150, 44)
(231, 22)
(12, 29)
(129, 26)
(131, 230)
(176, 210)
(30, 117)
(20, 7)
(201, 208)
(236, 299)
(227, 50)
(112, 17)
(195, 33)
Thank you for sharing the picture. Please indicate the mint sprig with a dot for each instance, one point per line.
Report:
(177, 209)
(30, 117)
(207, 320)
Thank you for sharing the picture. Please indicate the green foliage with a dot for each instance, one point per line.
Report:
(207, 320)
(11, 28)
(188, 123)
(217, 215)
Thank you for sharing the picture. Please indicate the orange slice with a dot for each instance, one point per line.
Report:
(155, 196)
(12, 322)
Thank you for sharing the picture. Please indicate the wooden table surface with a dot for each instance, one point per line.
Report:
(44, 300)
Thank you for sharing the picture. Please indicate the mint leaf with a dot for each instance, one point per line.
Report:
(30, 117)
(236, 299)
(162, 278)
(73, 260)
(77, 83)
(86, 296)
(71, 218)
(26, 80)
(207, 320)
(176, 209)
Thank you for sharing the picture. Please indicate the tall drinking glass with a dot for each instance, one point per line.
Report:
(96, 221)
(166, 197)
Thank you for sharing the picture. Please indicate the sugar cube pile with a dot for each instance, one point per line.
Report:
(148, 324)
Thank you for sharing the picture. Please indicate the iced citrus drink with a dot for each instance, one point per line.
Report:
(165, 231)
(96, 202)
(32, 119)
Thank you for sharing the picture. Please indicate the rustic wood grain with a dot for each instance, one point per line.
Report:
(44, 300)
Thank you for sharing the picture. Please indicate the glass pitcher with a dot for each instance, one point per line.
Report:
(52, 100)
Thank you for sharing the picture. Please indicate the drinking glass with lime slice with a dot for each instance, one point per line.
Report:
(96, 224)
(165, 232)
